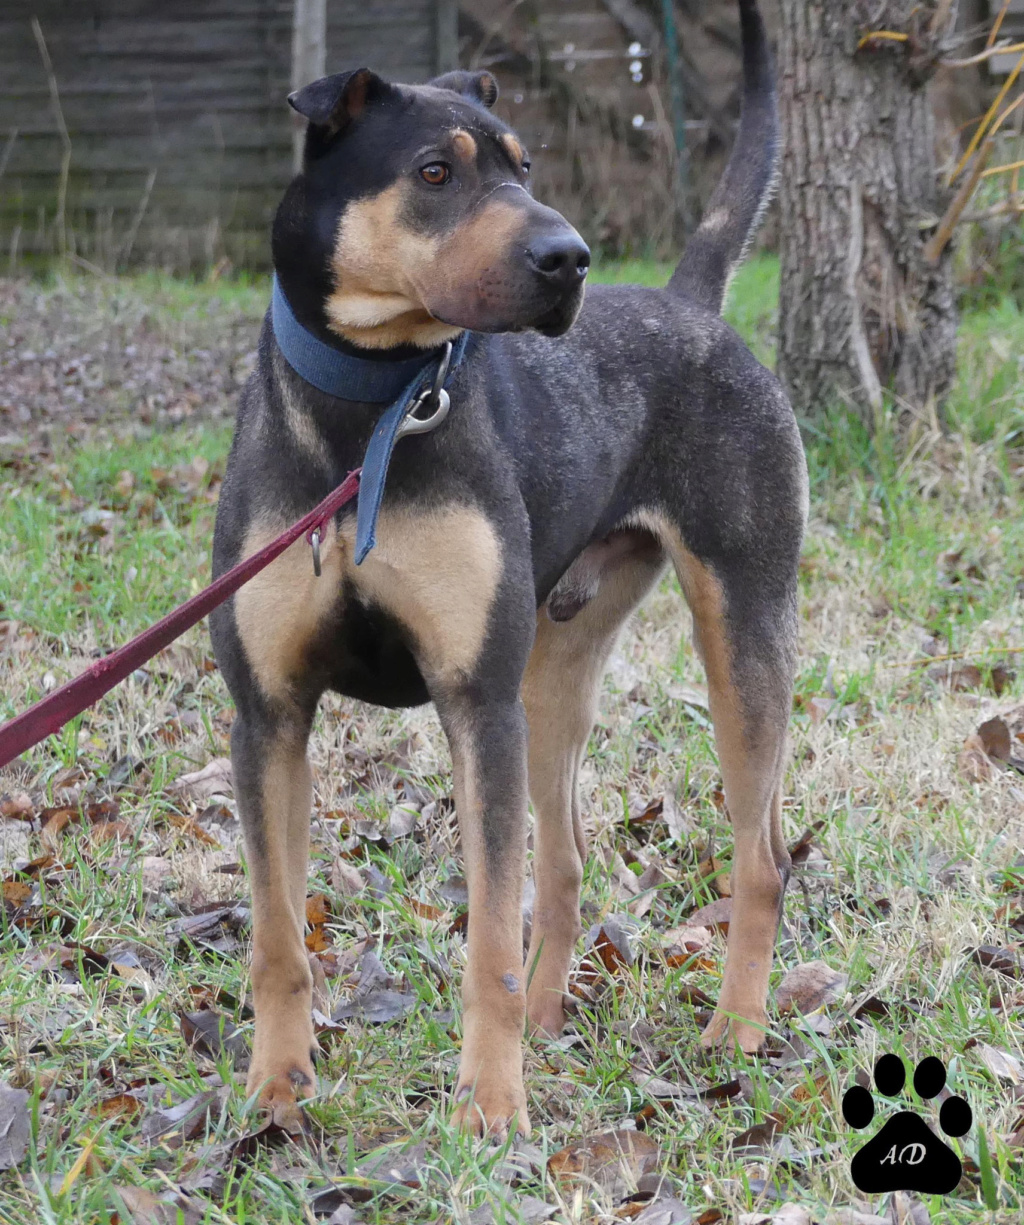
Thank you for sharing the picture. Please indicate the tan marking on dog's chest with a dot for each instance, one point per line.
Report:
(280, 610)
(436, 572)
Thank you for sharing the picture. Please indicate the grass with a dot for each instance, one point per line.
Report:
(914, 867)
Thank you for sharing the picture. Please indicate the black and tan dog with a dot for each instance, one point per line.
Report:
(573, 466)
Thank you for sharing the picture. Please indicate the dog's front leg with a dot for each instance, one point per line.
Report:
(274, 788)
(488, 741)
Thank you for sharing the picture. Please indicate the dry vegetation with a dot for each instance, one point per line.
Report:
(123, 1014)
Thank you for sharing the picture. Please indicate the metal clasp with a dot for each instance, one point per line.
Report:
(435, 397)
(314, 541)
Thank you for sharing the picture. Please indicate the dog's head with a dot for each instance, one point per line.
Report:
(412, 217)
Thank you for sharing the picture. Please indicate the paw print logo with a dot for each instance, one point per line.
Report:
(906, 1155)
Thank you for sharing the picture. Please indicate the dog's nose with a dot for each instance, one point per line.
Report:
(561, 259)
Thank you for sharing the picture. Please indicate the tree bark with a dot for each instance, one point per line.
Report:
(862, 310)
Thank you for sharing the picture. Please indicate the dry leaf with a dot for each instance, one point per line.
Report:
(808, 987)
(201, 785)
(145, 1208)
(17, 807)
(1005, 961)
(664, 1212)
(758, 1139)
(610, 940)
(995, 739)
(1001, 1064)
(120, 1106)
(715, 915)
(615, 1157)
(346, 879)
(175, 1125)
(212, 1034)
(14, 1126)
(788, 1214)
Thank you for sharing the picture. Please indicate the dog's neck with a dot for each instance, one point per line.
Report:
(364, 376)
(307, 295)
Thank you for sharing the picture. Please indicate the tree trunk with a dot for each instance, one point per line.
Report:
(861, 308)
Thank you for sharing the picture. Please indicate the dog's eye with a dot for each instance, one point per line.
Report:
(525, 167)
(436, 174)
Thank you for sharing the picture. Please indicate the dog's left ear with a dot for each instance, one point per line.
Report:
(477, 86)
(331, 103)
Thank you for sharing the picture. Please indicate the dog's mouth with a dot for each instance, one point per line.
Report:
(559, 319)
(502, 312)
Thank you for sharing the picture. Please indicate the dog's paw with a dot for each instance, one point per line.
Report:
(282, 1092)
(492, 1109)
(735, 1034)
(545, 1014)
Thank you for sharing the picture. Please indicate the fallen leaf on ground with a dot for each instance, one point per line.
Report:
(715, 915)
(120, 1106)
(527, 1210)
(1005, 961)
(145, 1208)
(213, 779)
(664, 1212)
(17, 807)
(175, 1125)
(394, 1166)
(808, 987)
(14, 1126)
(376, 1007)
(788, 1214)
(611, 1159)
(758, 1139)
(801, 849)
(1002, 1064)
(610, 940)
(212, 1034)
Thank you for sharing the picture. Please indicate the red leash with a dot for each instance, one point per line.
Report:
(50, 714)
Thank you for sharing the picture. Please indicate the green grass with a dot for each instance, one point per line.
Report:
(915, 867)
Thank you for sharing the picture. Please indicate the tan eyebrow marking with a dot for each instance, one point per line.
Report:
(514, 148)
(465, 145)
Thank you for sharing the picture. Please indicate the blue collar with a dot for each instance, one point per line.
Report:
(359, 380)
(340, 374)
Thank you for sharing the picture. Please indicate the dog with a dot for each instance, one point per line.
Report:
(590, 443)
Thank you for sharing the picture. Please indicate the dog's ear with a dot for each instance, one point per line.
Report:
(331, 103)
(479, 87)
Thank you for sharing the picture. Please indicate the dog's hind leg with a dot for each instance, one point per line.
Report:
(560, 691)
(744, 613)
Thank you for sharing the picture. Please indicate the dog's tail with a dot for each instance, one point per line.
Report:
(743, 193)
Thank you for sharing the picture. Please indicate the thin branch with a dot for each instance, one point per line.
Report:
(65, 139)
(937, 243)
(991, 214)
(940, 16)
(994, 32)
(891, 36)
(982, 56)
(992, 111)
(1002, 169)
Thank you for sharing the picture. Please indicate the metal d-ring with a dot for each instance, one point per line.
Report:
(436, 396)
(314, 540)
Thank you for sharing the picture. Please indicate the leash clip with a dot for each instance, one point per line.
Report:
(314, 541)
(436, 397)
